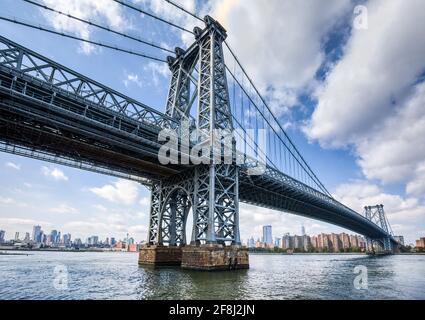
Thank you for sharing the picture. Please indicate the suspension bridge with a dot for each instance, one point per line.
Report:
(52, 113)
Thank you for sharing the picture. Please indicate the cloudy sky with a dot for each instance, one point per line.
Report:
(350, 89)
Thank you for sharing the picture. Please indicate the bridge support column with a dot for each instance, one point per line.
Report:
(211, 188)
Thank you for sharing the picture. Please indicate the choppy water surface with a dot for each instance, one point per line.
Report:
(60, 275)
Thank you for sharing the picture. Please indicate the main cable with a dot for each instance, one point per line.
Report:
(133, 7)
(99, 26)
(100, 44)
(184, 10)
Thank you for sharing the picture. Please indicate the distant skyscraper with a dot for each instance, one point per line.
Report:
(113, 241)
(2, 234)
(27, 237)
(251, 242)
(67, 239)
(267, 234)
(302, 231)
(16, 236)
(54, 236)
(36, 234)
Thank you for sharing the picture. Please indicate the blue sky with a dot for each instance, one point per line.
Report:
(353, 100)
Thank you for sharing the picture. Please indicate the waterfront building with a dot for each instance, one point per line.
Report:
(277, 242)
(67, 240)
(54, 237)
(259, 244)
(250, 242)
(287, 242)
(314, 242)
(2, 235)
(298, 242)
(93, 240)
(354, 241)
(323, 242)
(27, 238)
(113, 241)
(420, 243)
(306, 243)
(345, 241)
(335, 242)
(267, 235)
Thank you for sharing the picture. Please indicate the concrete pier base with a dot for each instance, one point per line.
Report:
(155, 255)
(215, 257)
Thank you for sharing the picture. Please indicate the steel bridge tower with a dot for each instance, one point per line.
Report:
(210, 189)
(376, 214)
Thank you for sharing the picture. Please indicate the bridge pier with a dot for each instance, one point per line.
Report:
(207, 257)
(158, 255)
(212, 257)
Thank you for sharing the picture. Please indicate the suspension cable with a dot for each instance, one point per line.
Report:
(133, 7)
(275, 119)
(100, 44)
(99, 26)
(184, 10)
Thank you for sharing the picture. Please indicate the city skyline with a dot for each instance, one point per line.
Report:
(38, 235)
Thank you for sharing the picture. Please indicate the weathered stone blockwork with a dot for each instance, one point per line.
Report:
(215, 257)
(160, 255)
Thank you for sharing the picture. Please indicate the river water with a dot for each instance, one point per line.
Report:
(98, 275)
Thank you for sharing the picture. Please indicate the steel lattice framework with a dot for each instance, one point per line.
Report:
(376, 214)
(55, 114)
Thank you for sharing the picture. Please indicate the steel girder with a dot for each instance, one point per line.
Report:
(60, 78)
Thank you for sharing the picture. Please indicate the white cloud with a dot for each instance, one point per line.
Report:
(145, 201)
(11, 225)
(377, 70)
(63, 208)
(4, 200)
(121, 191)
(99, 207)
(369, 100)
(157, 70)
(13, 166)
(132, 78)
(280, 42)
(54, 173)
(99, 10)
